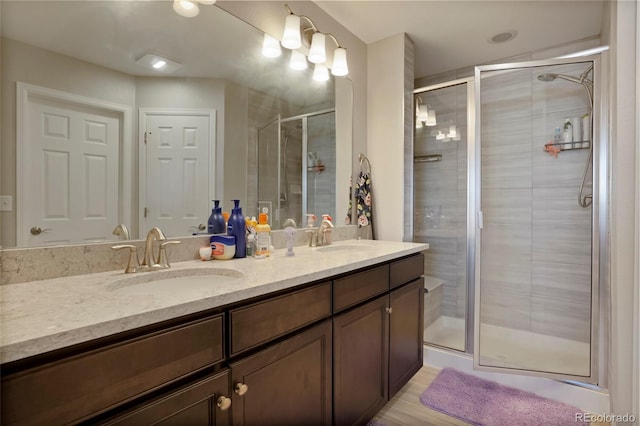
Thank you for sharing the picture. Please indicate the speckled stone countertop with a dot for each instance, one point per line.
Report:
(40, 316)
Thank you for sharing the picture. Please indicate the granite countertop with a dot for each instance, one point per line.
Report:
(40, 316)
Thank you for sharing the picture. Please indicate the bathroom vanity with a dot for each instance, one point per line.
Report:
(324, 337)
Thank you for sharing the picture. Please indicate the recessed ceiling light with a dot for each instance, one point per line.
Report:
(503, 37)
(158, 63)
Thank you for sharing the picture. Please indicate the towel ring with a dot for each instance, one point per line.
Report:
(363, 158)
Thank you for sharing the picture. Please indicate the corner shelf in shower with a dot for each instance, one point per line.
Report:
(316, 169)
(568, 146)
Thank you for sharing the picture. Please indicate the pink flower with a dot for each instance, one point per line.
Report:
(367, 200)
(362, 220)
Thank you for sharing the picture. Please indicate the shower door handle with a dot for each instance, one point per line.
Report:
(480, 219)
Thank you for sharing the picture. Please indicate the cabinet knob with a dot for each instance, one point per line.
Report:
(241, 388)
(389, 310)
(223, 403)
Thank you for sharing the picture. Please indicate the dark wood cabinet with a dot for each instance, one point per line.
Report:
(289, 383)
(360, 362)
(204, 403)
(77, 387)
(405, 333)
(330, 352)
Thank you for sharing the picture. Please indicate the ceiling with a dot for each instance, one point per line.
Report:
(454, 34)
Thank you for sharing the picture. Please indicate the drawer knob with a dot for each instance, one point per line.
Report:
(223, 403)
(241, 388)
(389, 310)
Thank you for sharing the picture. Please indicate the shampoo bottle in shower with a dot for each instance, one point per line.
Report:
(567, 134)
(216, 224)
(236, 227)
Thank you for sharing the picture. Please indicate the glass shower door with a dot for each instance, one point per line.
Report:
(440, 208)
(536, 285)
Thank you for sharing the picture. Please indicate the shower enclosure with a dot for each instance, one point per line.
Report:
(296, 158)
(509, 192)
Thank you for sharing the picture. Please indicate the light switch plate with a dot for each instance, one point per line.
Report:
(6, 203)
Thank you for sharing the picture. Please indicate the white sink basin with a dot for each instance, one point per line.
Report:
(171, 280)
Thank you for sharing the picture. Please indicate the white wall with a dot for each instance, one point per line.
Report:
(385, 127)
(621, 30)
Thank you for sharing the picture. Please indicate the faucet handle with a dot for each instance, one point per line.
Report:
(163, 260)
(133, 262)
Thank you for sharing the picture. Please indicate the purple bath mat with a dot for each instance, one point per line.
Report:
(485, 403)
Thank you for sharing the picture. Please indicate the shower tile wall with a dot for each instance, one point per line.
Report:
(440, 197)
(536, 242)
(322, 185)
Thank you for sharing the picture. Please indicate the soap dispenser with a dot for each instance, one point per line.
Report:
(216, 224)
(236, 226)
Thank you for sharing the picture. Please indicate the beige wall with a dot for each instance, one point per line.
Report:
(386, 130)
(620, 32)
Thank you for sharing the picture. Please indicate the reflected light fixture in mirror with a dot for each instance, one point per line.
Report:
(159, 63)
(271, 47)
(189, 8)
(298, 61)
(292, 39)
(320, 73)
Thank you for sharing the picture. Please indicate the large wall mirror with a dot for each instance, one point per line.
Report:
(95, 133)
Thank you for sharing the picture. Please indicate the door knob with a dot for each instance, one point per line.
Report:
(36, 230)
(223, 403)
(241, 388)
(200, 227)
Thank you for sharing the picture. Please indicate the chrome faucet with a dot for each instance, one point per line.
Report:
(324, 232)
(154, 234)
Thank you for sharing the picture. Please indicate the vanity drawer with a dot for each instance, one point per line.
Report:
(405, 270)
(263, 321)
(74, 388)
(358, 287)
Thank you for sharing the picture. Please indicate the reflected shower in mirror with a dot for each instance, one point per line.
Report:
(94, 136)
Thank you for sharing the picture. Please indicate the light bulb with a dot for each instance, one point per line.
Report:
(320, 73)
(207, 2)
(186, 8)
(339, 67)
(422, 113)
(271, 47)
(291, 35)
(452, 131)
(159, 64)
(298, 61)
(431, 118)
(440, 136)
(317, 53)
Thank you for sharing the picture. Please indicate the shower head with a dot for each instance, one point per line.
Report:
(551, 77)
(583, 80)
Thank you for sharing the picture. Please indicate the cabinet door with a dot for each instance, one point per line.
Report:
(360, 362)
(289, 383)
(405, 334)
(202, 403)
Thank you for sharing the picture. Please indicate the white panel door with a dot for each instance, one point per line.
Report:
(73, 183)
(178, 170)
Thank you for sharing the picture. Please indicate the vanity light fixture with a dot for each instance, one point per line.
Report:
(189, 8)
(271, 47)
(292, 39)
(452, 131)
(440, 136)
(158, 63)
